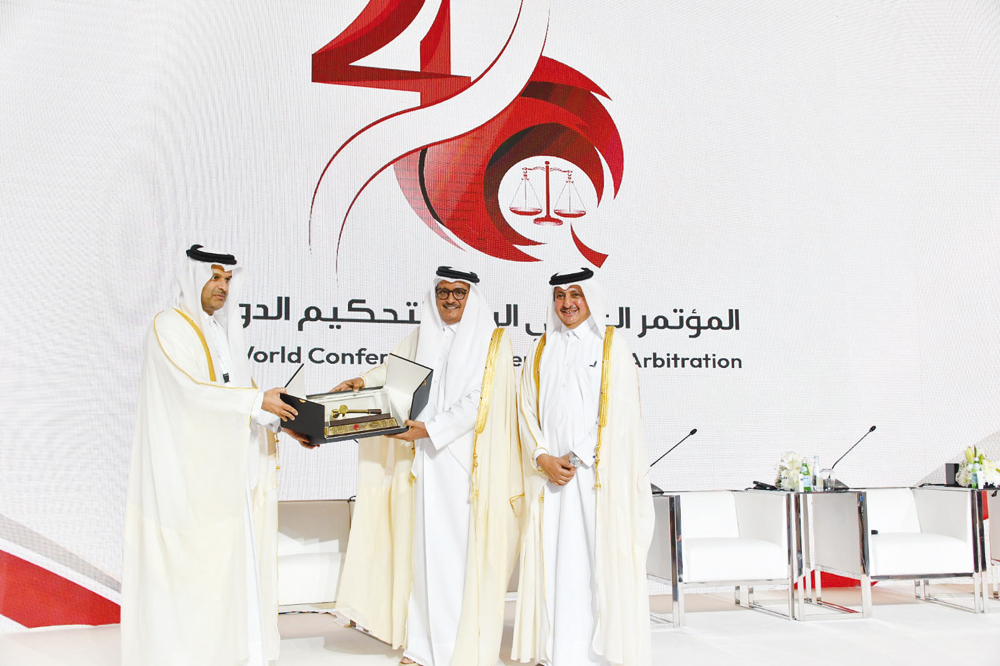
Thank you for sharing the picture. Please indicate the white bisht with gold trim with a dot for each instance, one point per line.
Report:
(185, 571)
(376, 581)
(624, 519)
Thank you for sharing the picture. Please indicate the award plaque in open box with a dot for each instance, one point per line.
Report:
(370, 412)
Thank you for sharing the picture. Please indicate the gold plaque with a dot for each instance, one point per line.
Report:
(348, 428)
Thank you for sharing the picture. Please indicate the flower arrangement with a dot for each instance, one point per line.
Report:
(789, 471)
(974, 457)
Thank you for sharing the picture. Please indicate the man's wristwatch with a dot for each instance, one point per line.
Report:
(574, 459)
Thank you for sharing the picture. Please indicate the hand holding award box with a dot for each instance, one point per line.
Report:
(368, 412)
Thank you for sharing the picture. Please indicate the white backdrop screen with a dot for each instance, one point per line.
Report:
(793, 207)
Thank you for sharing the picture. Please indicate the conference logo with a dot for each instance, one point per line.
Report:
(529, 126)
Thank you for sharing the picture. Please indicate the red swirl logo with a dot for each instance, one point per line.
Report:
(453, 182)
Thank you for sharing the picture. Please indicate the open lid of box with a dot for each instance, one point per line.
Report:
(403, 396)
(408, 385)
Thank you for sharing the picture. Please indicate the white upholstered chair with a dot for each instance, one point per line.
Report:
(312, 542)
(918, 534)
(725, 538)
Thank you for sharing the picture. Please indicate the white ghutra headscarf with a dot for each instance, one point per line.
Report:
(465, 363)
(597, 300)
(192, 275)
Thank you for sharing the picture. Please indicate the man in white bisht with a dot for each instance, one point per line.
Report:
(582, 595)
(199, 570)
(435, 528)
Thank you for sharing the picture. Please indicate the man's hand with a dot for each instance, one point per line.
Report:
(300, 438)
(273, 403)
(559, 470)
(355, 384)
(417, 431)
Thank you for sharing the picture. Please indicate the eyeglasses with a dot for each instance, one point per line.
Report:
(458, 293)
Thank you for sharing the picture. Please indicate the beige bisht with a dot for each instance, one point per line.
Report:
(184, 578)
(624, 520)
(375, 584)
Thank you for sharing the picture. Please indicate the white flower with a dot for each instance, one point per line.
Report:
(990, 472)
(964, 475)
(789, 470)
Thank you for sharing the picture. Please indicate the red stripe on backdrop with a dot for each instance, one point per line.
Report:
(35, 597)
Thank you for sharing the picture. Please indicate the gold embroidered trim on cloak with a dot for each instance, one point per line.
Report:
(538, 378)
(204, 344)
(188, 374)
(602, 412)
(485, 400)
(486, 394)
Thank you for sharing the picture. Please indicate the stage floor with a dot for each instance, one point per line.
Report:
(902, 632)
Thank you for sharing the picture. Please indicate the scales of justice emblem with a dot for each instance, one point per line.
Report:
(453, 183)
(520, 205)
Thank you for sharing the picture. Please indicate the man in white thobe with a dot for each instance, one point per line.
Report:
(582, 590)
(200, 542)
(434, 536)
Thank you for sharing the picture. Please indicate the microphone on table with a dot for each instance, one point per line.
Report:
(834, 484)
(656, 489)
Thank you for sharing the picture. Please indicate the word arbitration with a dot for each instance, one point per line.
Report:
(706, 362)
(357, 313)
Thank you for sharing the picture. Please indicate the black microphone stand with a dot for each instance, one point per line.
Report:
(656, 489)
(836, 483)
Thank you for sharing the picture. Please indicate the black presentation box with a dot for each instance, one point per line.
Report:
(405, 393)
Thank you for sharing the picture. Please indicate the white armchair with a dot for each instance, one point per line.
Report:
(917, 534)
(312, 542)
(725, 538)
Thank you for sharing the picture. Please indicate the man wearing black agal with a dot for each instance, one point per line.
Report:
(434, 535)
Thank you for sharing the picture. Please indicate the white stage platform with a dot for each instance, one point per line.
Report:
(903, 632)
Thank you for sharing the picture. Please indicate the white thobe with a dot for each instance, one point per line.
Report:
(442, 468)
(222, 358)
(569, 519)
